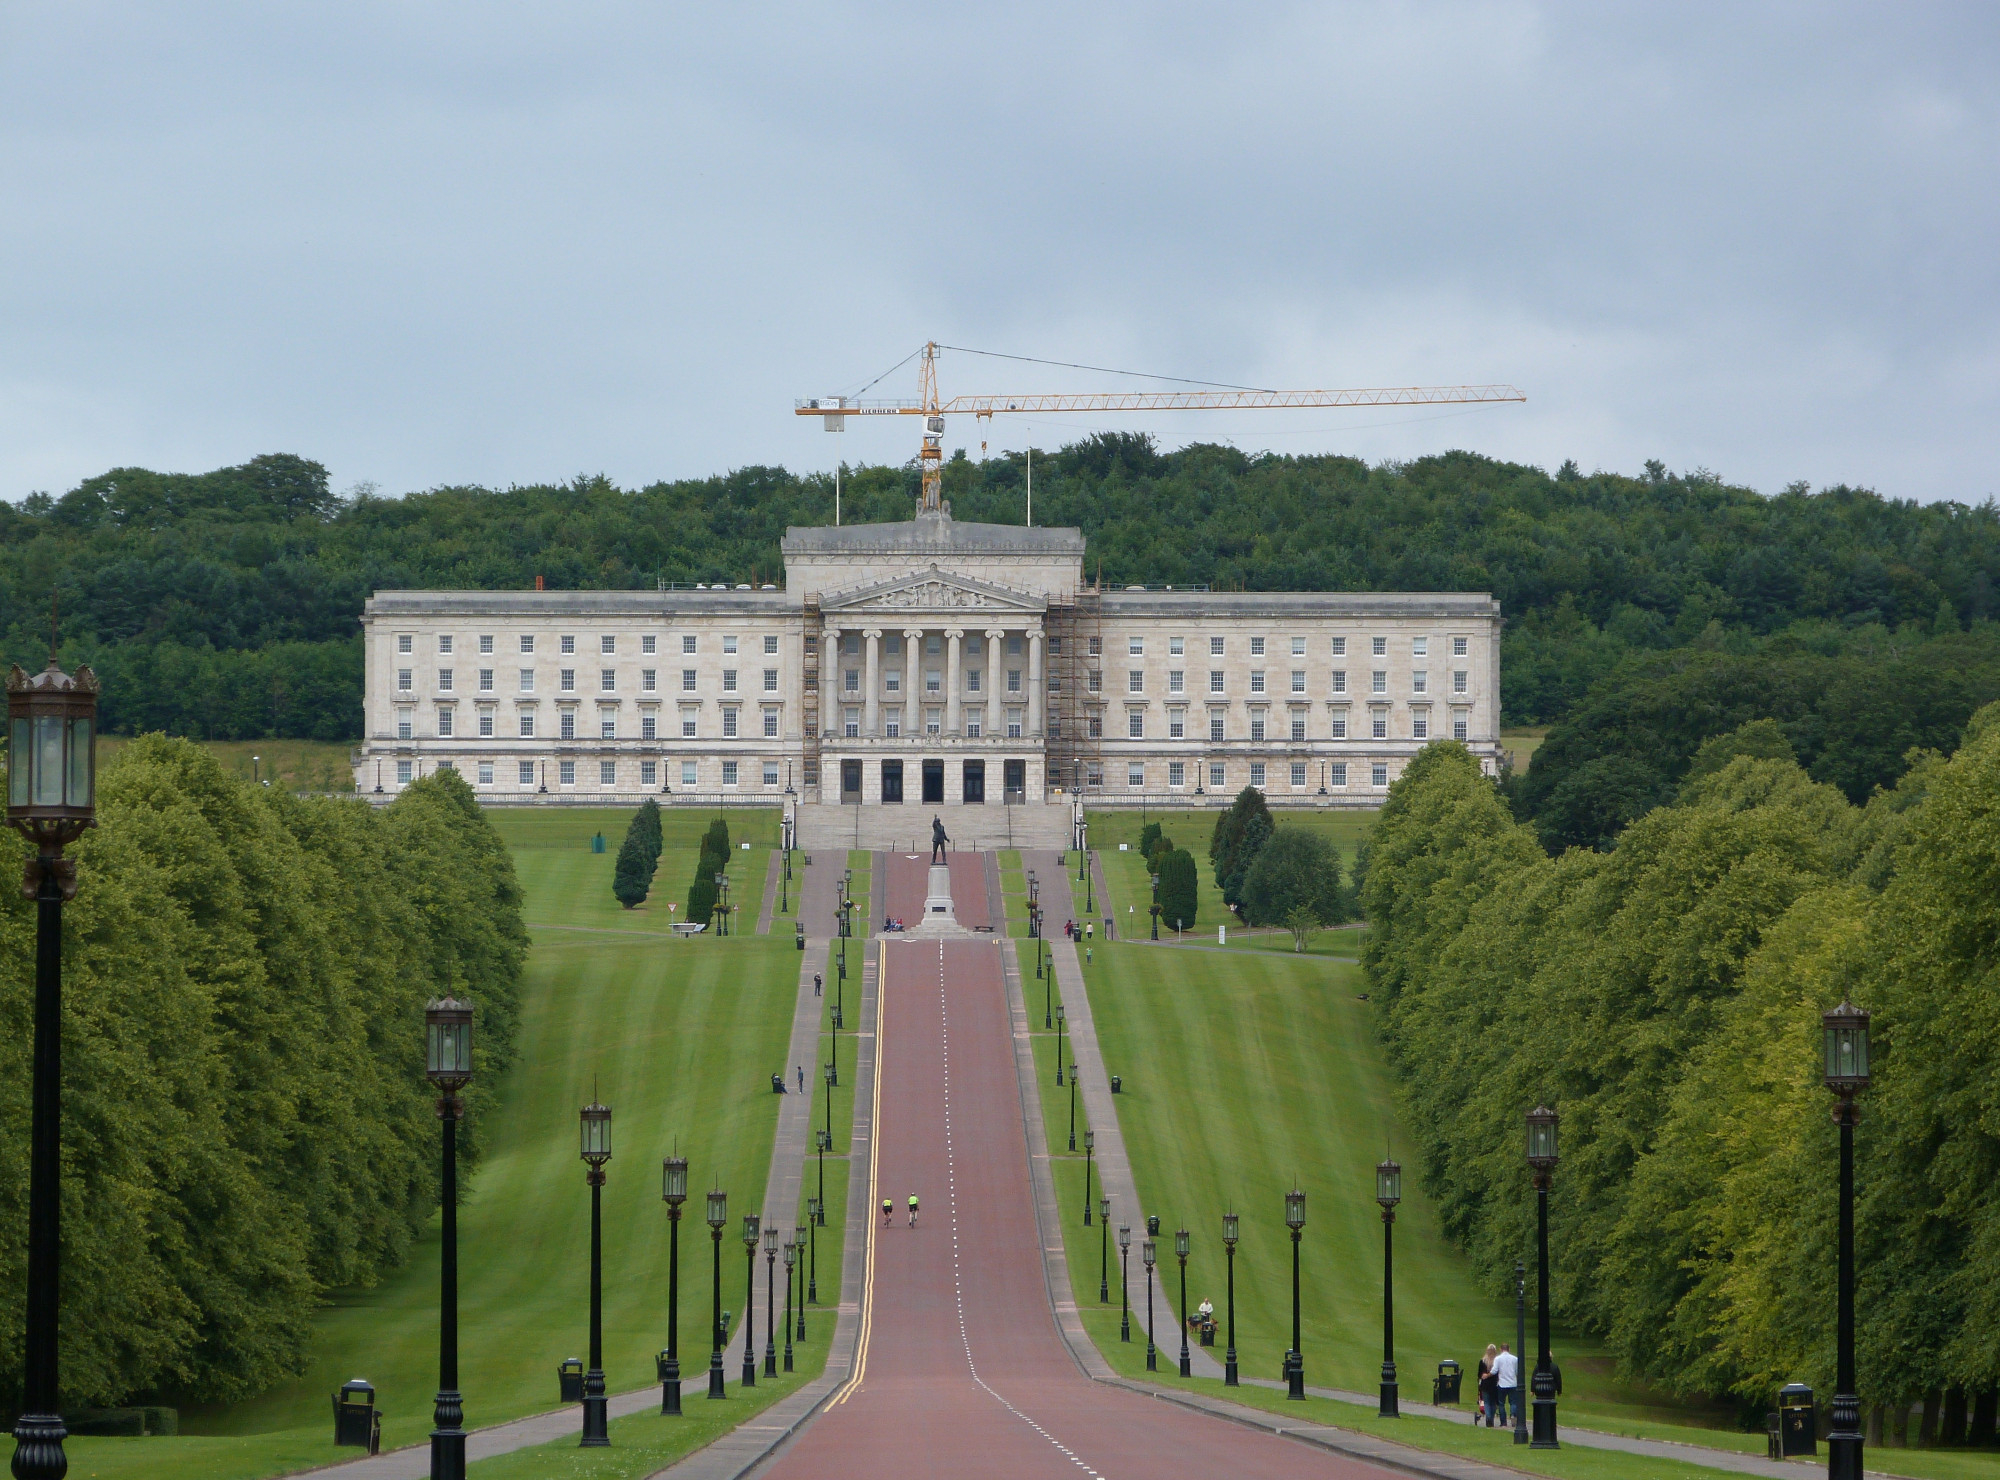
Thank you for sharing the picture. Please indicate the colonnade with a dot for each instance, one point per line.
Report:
(914, 691)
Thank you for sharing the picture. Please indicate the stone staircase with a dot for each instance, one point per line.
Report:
(906, 827)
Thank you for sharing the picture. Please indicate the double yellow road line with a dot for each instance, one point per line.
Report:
(853, 1383)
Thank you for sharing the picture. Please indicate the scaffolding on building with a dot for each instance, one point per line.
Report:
(815, 647)
(1073, 740)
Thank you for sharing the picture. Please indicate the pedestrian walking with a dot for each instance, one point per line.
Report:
(913, 1210)
(816, 983)
(802, 1077)
(885, 1212)
(1086, 955)
(1489, 1394)
(1507, 1383)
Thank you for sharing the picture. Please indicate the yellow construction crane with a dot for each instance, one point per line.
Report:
(835, 409)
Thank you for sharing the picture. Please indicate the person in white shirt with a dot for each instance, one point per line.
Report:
(1507, 1377)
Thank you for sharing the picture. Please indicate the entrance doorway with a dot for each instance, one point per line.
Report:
(892, 781)
(1016, 782)
(850, 781)
(933, 783)
(975, 781)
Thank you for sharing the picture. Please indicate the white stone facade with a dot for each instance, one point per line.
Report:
(924, 661)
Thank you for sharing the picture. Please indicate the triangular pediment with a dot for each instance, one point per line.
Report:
(930, 590)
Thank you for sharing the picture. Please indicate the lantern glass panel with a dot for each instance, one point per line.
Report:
(1295, 1209)
(48, 766)
(1229, 1229)
(750, 1230)
(1388, 1184)
(771, 1240)
(1125, 1236)
(718, 1209)
(1089, 1137)
(20, 763)
(1541, 1136)
(78, 792)
(1846, 1047)
(1181, 1243)
(674, 1180)
(1148, 1252)
(594, 1131)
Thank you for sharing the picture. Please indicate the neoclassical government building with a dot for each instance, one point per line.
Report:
(924, 662)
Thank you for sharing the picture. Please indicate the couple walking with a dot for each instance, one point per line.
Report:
(1499, 1386)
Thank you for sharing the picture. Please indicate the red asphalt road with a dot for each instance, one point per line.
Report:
(962, 1368)
(910, 878)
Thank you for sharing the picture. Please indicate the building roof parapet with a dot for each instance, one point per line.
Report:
(931, 535)
(715, 601)
(1404, 605)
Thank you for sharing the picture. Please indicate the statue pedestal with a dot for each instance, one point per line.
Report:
(939, 918)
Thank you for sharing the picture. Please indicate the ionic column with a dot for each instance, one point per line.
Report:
(951, 679)
(996, 693)
(913, 680)
(871, 682)
(1035, 688)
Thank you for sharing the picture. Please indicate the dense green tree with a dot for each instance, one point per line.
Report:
(1296, 870)
(632, 875)
(1239, 832)
(1180, 890)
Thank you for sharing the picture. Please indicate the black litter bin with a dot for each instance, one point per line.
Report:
(660, 1364)
(569, 1374)
(777, 1084)
(1117, 1083)
(1444, 1387)
(799, 934)
(1797, 1419)
(355, 1421)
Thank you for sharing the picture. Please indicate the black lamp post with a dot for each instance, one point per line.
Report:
(771, 1304)
(749, 1300)
(1089, 887)
(815, 1215)
(1148, 1253)
(1846, 1043)
(1060, 1029)
(1124, 1282)
(448, 1030)
(1156, 906)
(791, 1263)
(594, 1125)
(1388, 1192)
(673, 1191)
(722, 904)
(718, 1215)
(1181, 1253)
(1542, 1162)
(840, 979)
(1520, 1344)
(1295, 1361)
(1229, 1234)
(1072, 1127)
(51, 799)
(1089, 1144)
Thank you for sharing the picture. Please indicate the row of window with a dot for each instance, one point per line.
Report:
(1378, 726)
(1302, 775)
(533, 775)
(892, 681)
(607, 644)
(1378, 681)
(566, 724)
(1218, 647)
(566, 680)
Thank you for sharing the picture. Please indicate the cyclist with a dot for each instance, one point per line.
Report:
(913, 1210)
(886, 1205)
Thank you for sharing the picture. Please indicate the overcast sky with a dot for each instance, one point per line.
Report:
(434, 243)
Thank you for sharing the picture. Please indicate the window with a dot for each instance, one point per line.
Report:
(1093, 775)
(607, 725)
(1013, 724)
(527, 642)
(972, 680)
(1257, 774)
(1420, 727)
(1378, 681)
(770, 644)
(486, 724)
(1137, 647)
(567, 645)
(403, 724)
(1298, 680)
(568, 723)
(1176, 773)
(649, 773)
(770, 724)
(648, 645)
(566, 773)
(402, 773)
(770, 773)
(933, 644)
(729, 680)
(1298, 647)
(527, 727)
(1094, 648)
(1135, 681)
(770, 680)
(892, 680)
(972, 643)
(608, 643)
(687, 680)
(850, 681)
(1215, 647)
(729, 723)
(687, 643)
(1419, 681)
(1420, 647)
(566, 680)
(1256, 647)
(1215, 776)
(1458, 647)
(1135, 725)
(729, 644)
(1256, 724)
(444, 645)
(892, 645)
(403, 684)
(1094, 727)
(933, 681)
(1340, 647)
(933, 721)
(607, 773)
(852, 727)
(1013, 680)
(1176, 680)
(1215, 725)
(729, 773)
(527, 680)
(649, 727)
(1458, 727)
(1378, 775)
(1176, 646)
(1378, 724)
(527, 773)
(1336, 774)
(486, 680)
(975, 722)
(1340, 725)
(1135, 775)
(688, 723)
(1215, 680)
(405, 643)
(851, 644)
(607, 680)
(649, 680)
(1340, 680)
(1257, 681)
(1298, 773)
(1095, 685)
(1176, 724)
(1458, 680)
(1379, 646)
(690, 773)
(486, 643)
(444, 722)
(1298, 727)
(486, 773)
